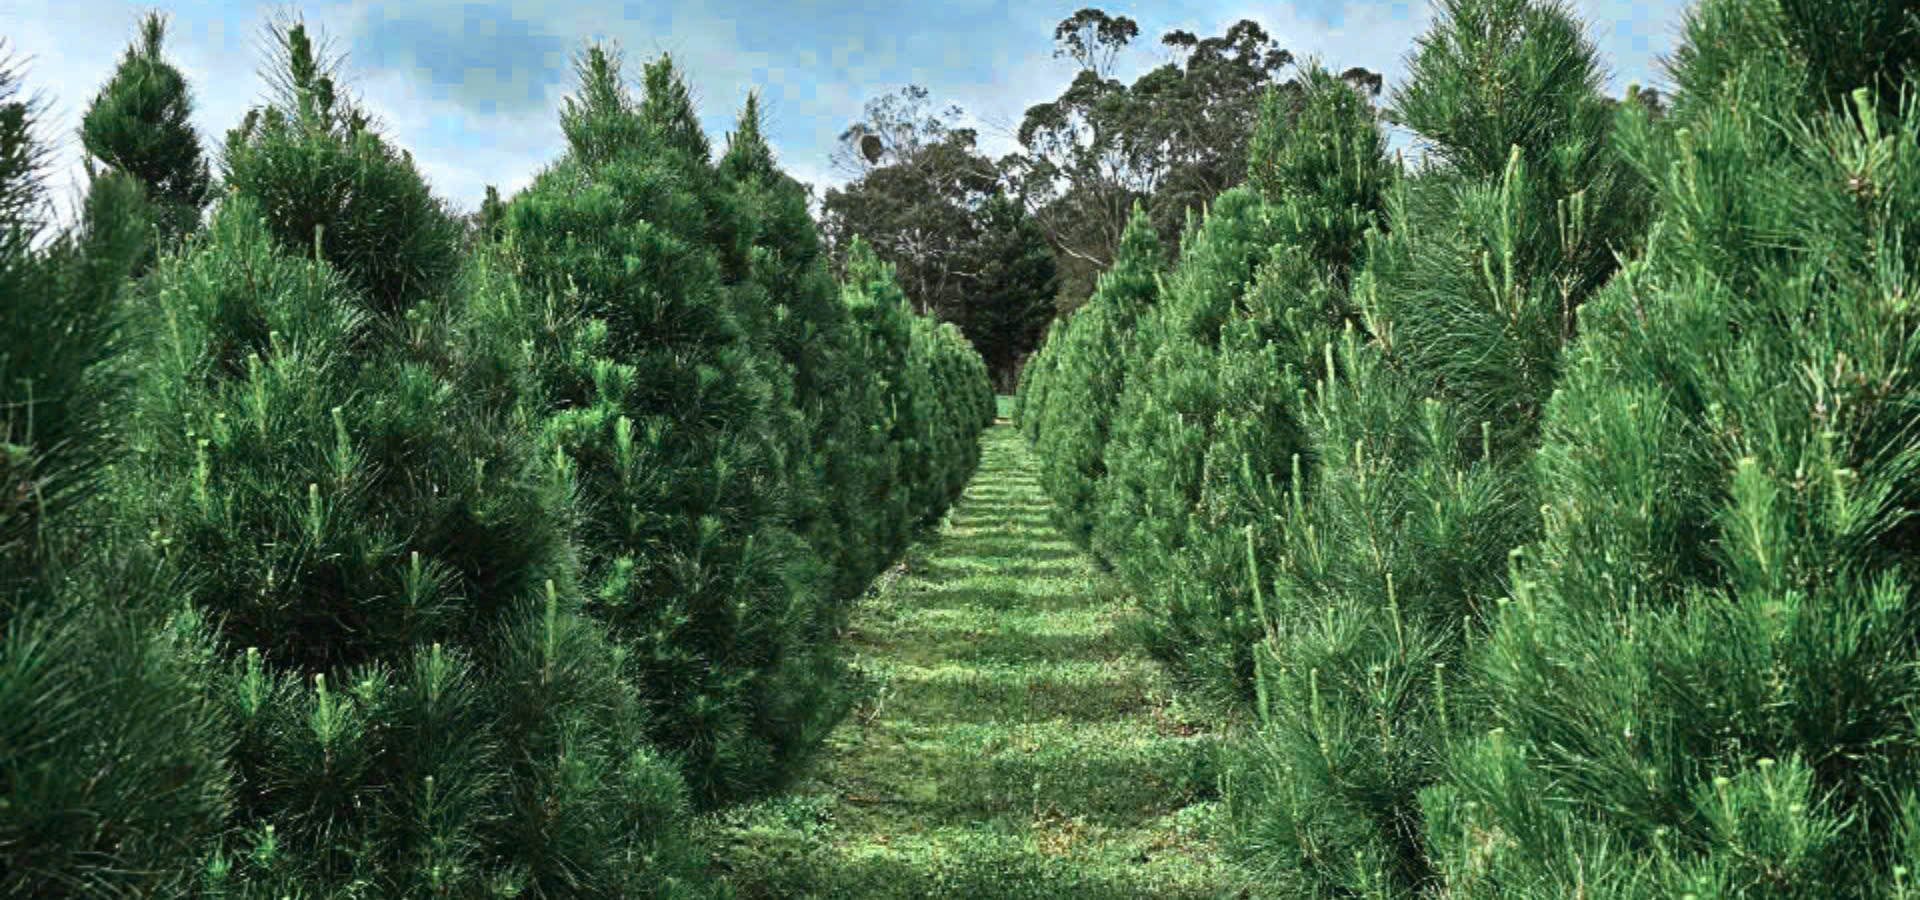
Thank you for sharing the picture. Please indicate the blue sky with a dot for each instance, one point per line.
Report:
(474, 90)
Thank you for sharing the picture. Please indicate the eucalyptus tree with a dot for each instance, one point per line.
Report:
(1174, 139)
(915, 202)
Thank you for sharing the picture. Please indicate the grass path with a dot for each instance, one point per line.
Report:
(1011, 745)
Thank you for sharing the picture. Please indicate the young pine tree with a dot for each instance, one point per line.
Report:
(1030, 406)
(1703, 681)
(1395, 529)
(1323, 183)
(1092, 367)
(1167, 410)
(1487, 261)
(657, 397)
(420, 705)
(112, 769)
(137, 124)
(328, 184)
(884, 327)
(794, 300)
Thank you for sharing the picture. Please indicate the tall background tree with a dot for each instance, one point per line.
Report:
(963, 248)
(925, 200)
(1008, 276)
(920, 184)
(1174, 139)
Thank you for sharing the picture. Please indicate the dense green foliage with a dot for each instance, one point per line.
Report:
(650, 266)
(1555, 528)
(1090, 376)
(1548, 512)
(137, 124)
(1709, 652)
(510, 551)
(1165, 414)
(112, 751)
(1010, 301)
(812, 332)
(963, 249)
(323, 179)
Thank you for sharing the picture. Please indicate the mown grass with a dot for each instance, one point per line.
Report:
(1012, 741)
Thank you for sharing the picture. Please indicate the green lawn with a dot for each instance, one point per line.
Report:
(1012, 742)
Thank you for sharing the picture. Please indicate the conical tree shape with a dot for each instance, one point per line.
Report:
(370, 542)
(422, 706)
(112, 775)
(883, 329)
(1169, 408)
(1092, 375)
(1393, 526)
(773, 332)
(1706, 659)
(659, 400)
(748, 155)
(1326, 182)
(1029, 410)
(491, 212)
(328, 184)
(813, 333)
(1489, 262)
(138, 124)
(1011, 300)
(667, 108)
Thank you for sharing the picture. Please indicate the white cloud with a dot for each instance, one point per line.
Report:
(474, 90)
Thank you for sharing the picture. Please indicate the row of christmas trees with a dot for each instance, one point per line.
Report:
(1552, 509)
(341, 558)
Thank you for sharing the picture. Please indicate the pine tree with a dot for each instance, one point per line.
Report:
(491, 211)
(1488, 263)
(1011, 298)
(1169, 403)
(421, 706)
(111, 757)
(1323, 189)
(1393, 527)
(777, 336)
(1092, 376)
(138, 124)
(883, 325)
(1029, 410)
(657, 396)
(813, 333)
(1705, 663)
(328, 184)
